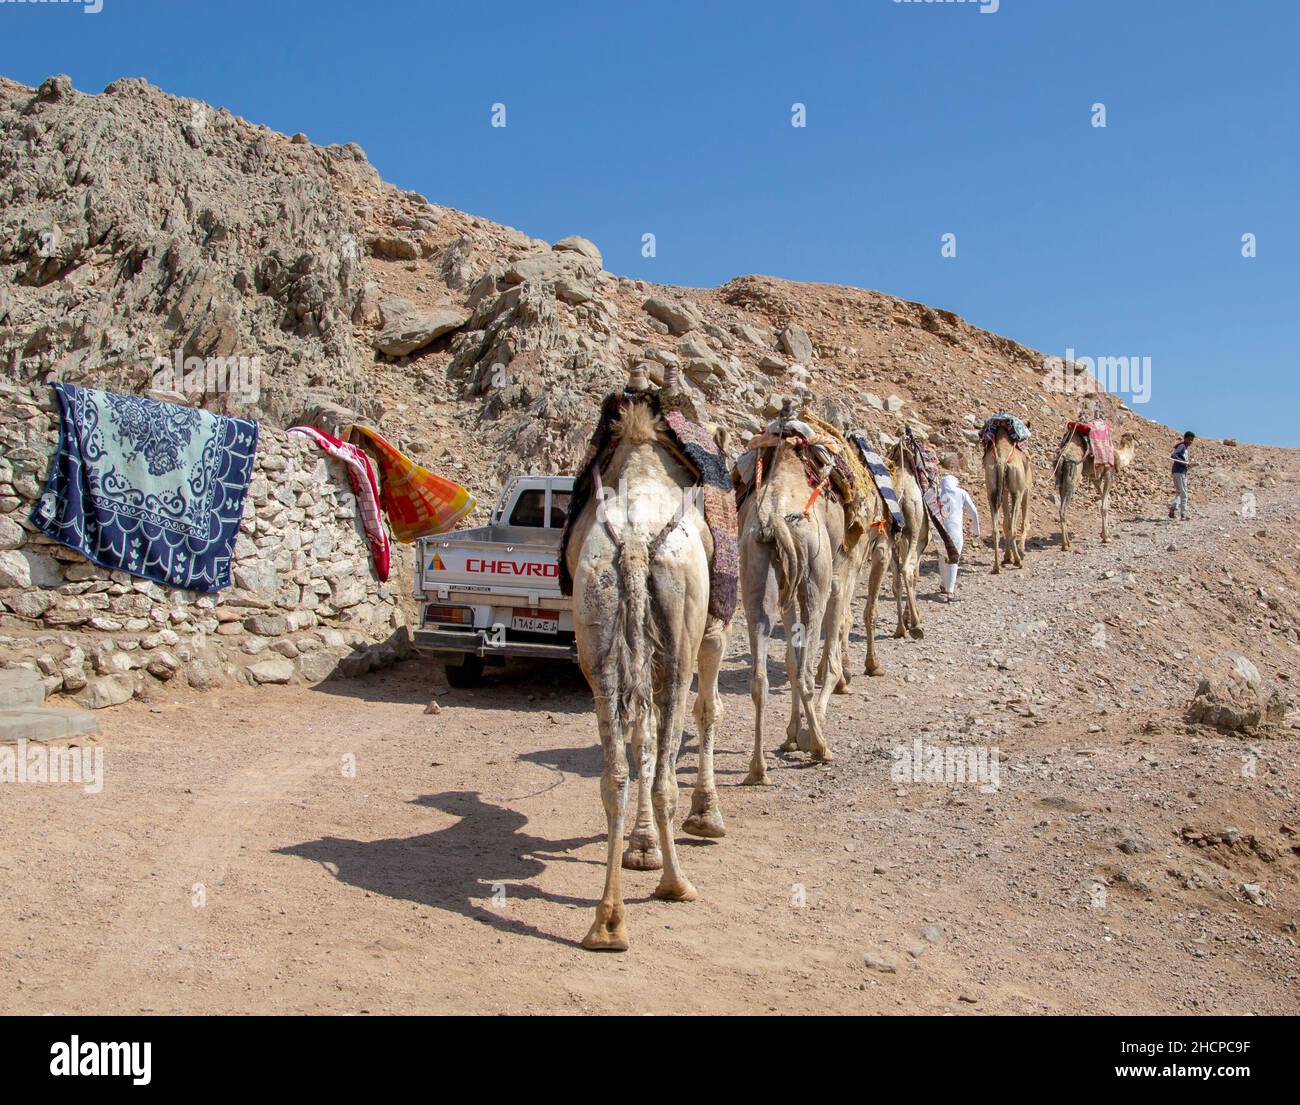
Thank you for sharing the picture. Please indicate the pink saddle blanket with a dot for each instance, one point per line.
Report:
(1101, 445)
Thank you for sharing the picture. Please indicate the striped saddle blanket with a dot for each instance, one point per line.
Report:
(881, 478)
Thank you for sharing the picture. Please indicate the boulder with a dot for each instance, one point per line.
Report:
(1236, 701)
(272, 671)
(317, 665)
(11, 533)
(412, 332)
(795, 341)
(392, 247)
(679, 317)
(108, 690)
(267, 625)
(28, 568)
(576, 244)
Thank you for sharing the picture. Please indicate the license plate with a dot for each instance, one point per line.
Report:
(535, 621)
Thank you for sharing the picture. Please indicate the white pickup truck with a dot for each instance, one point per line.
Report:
(494, 591)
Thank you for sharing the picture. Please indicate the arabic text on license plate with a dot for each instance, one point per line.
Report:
(539, 621)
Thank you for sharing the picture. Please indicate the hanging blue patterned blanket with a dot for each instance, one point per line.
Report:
(150, 488)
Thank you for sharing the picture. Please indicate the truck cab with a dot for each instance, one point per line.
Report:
(494, 591)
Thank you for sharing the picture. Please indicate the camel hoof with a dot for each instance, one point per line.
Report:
(707, 824)
(790, 744)
(756, 779)
(602, 937)
(842, 687)
(825, 756)
(917, 632)
(643, 858)
(679, 891)
(899, 633)
(874, 669)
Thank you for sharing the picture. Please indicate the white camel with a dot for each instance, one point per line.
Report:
(640, 567)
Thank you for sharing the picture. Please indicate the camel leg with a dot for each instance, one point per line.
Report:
(642, 852)
(897, 563)
(796, 635)
(993, 528)
(1008, 526)
(673, 886)
(609, 930)
(1105, 508)
(760, 633)
(842, 637)
(831, 671)
(705, 818)
(1013, 533)
(1023, 532)
(813, 603)
(879, 562)
(911, 576)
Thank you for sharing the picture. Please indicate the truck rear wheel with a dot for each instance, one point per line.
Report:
(467, 673)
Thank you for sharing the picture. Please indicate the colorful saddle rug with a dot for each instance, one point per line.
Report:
(1101, 444)
(879, 472)
(418, 502)
(361, 474)
(150, 488)
(925, 469)
(830, 466)
(695, 446)
(1015, 428)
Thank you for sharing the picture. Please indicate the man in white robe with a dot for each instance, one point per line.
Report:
(953, 501)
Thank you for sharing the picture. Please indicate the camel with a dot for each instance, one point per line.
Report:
(787, 563)
(911, 543)
(1009, 478)
(640, 567)
(1075, 457)
(800, 559)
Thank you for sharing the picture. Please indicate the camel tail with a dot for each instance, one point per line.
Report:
(1067, 479)
(774, 530)
(997, 486)
(635, 632)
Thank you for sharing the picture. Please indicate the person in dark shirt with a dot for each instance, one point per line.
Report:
(1181, 464)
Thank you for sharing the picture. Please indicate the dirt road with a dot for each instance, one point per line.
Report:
(336, 849)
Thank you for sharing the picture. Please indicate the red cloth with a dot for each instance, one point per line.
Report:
(365, 487)
(1101, 445)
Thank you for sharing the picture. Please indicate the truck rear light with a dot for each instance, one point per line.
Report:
(454, 615)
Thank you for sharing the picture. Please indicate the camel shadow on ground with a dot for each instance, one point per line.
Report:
(485, 854)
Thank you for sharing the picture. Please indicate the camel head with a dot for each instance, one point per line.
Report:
(1126, 450)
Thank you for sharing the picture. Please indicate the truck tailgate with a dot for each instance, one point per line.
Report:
(491, 560)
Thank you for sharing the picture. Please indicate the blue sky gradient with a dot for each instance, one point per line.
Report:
(922, 119)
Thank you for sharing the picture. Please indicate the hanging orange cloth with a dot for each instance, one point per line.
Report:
(417, 501)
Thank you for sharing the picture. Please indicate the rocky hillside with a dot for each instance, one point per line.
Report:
(136, 225)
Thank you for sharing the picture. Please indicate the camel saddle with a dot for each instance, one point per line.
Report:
(693, 444)
(1100, 443)
(1015, 429)
(830, 465)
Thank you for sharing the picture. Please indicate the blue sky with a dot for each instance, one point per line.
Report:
(922, 119)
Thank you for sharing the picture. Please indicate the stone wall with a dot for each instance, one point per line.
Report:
(305, 601)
